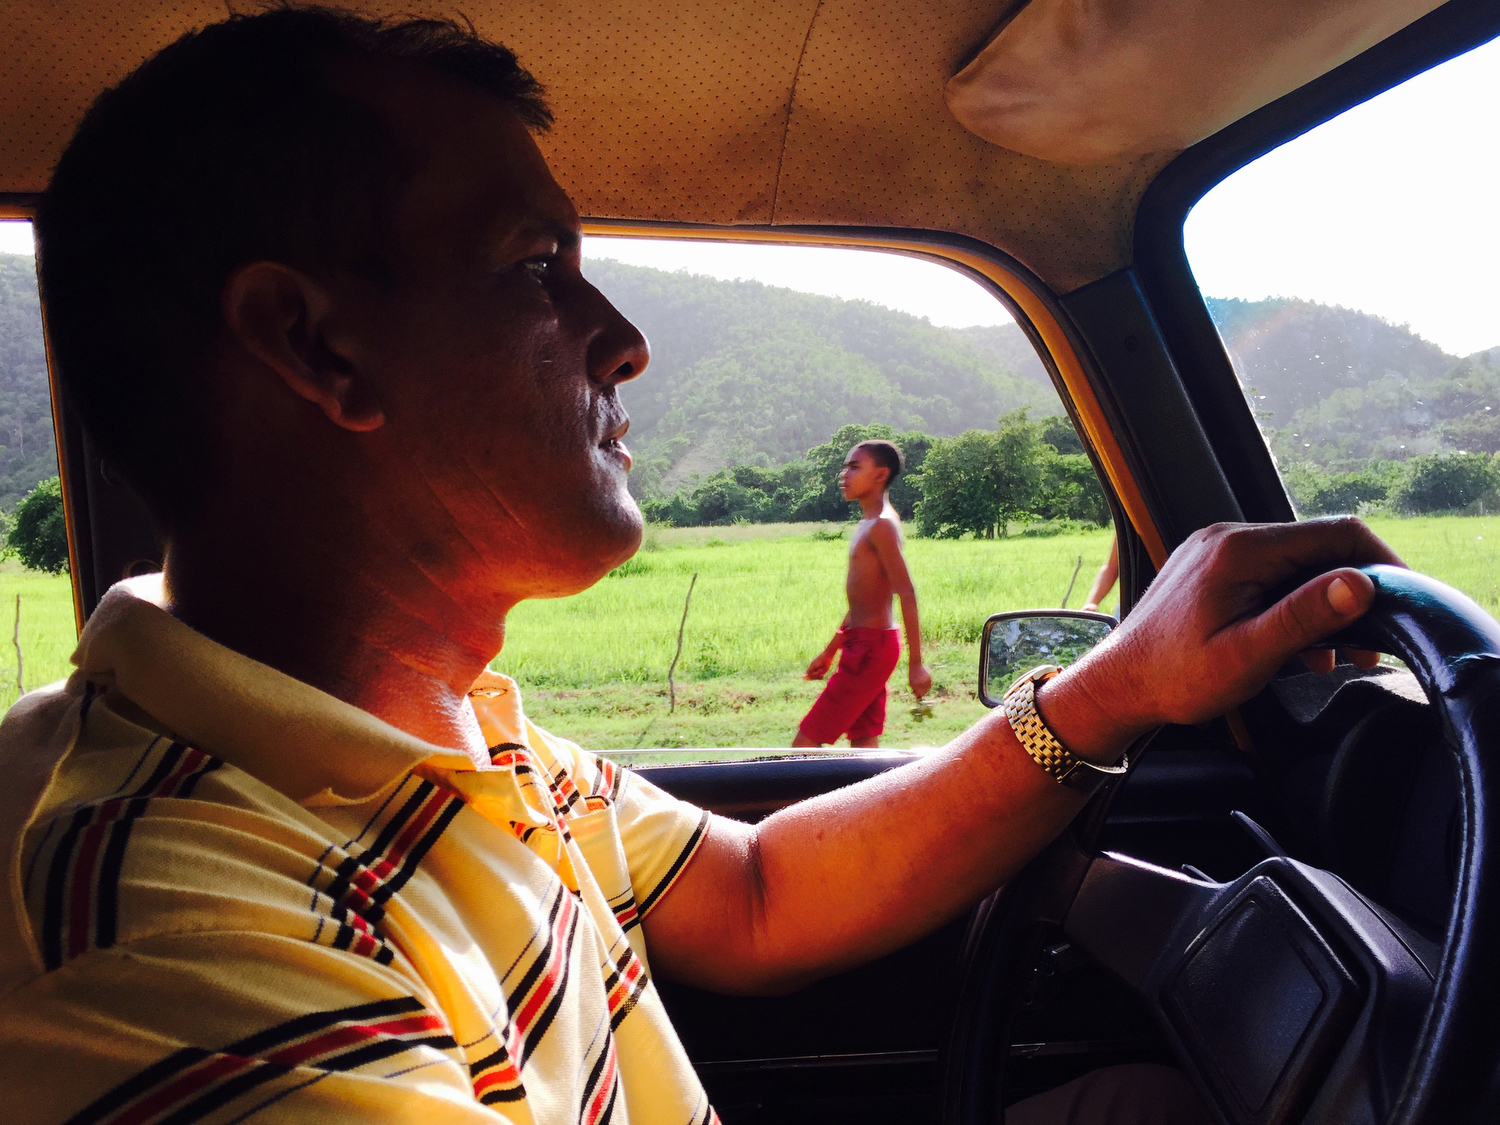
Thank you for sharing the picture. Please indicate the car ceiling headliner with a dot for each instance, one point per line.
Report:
(688, 111)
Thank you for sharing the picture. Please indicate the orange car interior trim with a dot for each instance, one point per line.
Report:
(1031, 305)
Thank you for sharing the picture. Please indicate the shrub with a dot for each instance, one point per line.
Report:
(1445, 482)
(1318, 492)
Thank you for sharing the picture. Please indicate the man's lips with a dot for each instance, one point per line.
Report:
(612, 443)
(617, 447)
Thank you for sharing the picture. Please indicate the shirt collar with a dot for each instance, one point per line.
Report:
(303, 742)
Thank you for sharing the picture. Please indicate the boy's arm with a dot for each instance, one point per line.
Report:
(887, 542)
(1104, 581)
(824, 660)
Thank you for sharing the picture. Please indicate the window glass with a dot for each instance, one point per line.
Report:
(36, 601)
(768, 364)
(1354, 275)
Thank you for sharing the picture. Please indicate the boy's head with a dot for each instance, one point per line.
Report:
(871, 465)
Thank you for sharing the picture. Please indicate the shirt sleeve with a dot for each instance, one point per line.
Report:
(659, 832)
(223, 1027)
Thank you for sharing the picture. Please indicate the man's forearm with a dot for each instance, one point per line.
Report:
(839, 879)
(850, 875)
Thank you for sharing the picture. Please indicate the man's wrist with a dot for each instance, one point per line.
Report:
(1089, 727)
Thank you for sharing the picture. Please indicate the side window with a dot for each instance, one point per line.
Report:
(769, 364)
(37, 629)
(1354, 275)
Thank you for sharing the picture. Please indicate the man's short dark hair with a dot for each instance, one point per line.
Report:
(886, 454)
(230, 146)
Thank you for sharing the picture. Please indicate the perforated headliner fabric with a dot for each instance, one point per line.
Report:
(699, 111)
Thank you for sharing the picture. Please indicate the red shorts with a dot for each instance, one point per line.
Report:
(853, 703)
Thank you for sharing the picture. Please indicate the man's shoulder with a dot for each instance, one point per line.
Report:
(117, 832)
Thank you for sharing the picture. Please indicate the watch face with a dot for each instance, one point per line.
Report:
(1035, 675)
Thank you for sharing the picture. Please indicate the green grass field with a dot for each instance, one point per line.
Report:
(48, 630)
(594, 667)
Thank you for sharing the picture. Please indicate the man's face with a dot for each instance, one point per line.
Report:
(860, 475)
(495, 362)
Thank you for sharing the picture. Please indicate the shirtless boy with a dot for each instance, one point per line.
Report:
(853, 703)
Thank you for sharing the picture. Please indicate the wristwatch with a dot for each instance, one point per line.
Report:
(1042, 744)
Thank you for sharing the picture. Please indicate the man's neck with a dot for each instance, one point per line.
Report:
(374, 632)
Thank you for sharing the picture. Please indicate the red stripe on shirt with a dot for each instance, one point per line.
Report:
(212, 1070)
(544, 988)
(346, 1036)
(80, 912)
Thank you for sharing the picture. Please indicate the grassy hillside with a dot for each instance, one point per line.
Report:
(1337, 387)
(745, 373)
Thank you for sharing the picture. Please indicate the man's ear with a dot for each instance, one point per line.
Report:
(279, 315)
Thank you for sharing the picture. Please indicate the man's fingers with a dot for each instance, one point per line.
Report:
(1313, 612)
(1319, 660)
(1334, 539)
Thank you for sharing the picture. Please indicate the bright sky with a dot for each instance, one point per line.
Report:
(1390, 208)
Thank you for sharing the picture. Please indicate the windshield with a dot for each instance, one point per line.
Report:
(1352, 274)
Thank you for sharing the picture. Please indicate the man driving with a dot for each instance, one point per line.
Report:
(282, 848)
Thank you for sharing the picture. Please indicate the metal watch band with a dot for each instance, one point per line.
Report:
(1032, 733)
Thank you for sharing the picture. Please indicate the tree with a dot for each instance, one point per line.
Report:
(982, 481)
(1071, 490)
(1058, 432)
(1318, 492)
(40, 535)
(1020, 470)
(959, 493)
(823, 501)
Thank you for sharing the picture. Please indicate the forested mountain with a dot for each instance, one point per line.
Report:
(28, 452)
(1338, 387)
(745, 373)
(748, 374)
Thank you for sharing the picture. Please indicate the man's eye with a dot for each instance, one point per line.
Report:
(540, 266)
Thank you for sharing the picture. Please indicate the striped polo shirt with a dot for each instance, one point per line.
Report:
(231, 897)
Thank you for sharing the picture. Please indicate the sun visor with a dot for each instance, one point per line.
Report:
(1085, 81)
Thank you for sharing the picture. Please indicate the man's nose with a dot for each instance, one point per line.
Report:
(618, 352)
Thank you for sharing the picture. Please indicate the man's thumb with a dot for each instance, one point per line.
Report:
(1317, 609)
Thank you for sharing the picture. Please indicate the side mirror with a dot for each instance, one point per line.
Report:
(1017, 642)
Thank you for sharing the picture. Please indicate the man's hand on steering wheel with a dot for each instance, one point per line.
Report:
(1203, 639)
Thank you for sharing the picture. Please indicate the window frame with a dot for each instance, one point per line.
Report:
(1160, 252)
(106, 525)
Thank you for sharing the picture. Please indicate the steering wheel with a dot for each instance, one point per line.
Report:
(1286, 994)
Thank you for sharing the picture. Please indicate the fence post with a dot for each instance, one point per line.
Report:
(15, 638)
(671, 670)
(1076, 568)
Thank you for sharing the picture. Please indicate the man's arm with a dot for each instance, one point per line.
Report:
(842, 878)
(887, 542)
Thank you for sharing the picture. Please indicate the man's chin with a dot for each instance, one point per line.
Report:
(614, 539)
